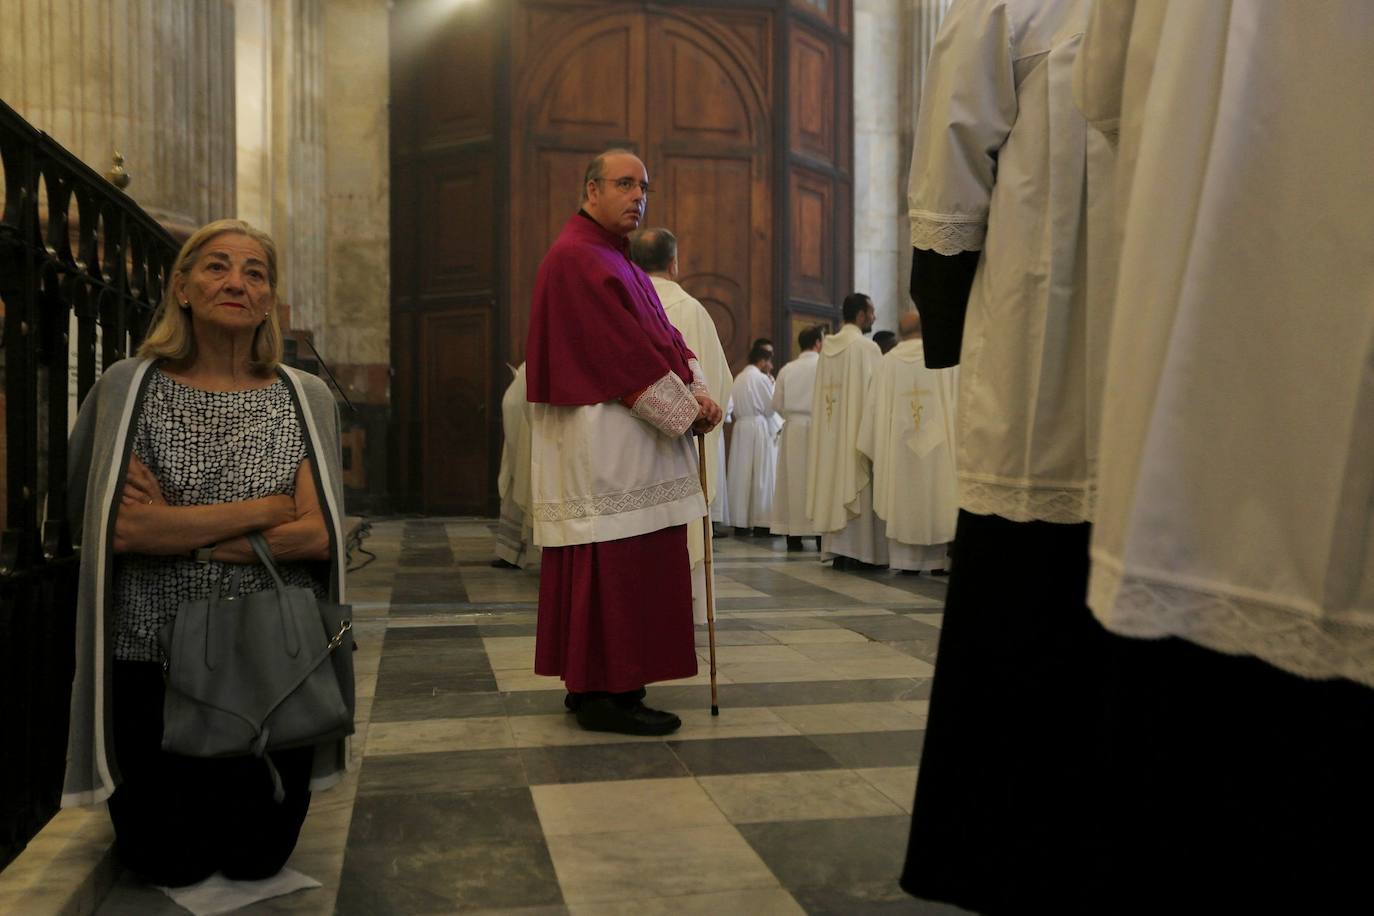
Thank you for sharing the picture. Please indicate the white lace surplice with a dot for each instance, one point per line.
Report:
(1237, 476)
(604, 472)
(1002, 163)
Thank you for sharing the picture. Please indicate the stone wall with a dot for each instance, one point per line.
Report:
(892, 43)
(150, 79)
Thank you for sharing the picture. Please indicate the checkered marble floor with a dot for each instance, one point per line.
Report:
(474, 791)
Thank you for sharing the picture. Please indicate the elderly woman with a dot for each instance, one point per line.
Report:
(177, 455)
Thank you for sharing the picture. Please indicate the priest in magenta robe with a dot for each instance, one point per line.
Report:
(614, 394)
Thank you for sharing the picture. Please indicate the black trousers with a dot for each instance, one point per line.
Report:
(178, 820)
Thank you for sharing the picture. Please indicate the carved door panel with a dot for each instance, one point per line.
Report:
(455, 394)
(688, 90)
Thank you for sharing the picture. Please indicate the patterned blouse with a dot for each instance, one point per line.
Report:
(204, 447)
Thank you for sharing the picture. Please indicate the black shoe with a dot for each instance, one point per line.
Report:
(761, 532)
(794, 545)
(719, 531)
(741, 532)
(939, 572)
(572, 701)
(606, 715)
(818, 542)
(499, 563)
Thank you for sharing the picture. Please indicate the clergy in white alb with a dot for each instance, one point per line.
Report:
(792, 395)
(1004, 181)
(656, 253)
(1234, 534)
(515, 545)
(908, 435)
(753, 443)
(839, 483)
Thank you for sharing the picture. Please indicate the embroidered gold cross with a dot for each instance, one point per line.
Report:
(830, 400)
(917, 408)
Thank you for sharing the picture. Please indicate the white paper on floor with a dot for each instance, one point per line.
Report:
(217, 894)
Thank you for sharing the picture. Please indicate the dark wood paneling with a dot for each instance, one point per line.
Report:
(812, 102)
(457, 80)
(455, 401)
(813, 227)
(459, 253)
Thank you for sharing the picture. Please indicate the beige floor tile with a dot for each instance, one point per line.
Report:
(882, 667)
(387, 738)
(636, 805)
(763, 902)
(561, 730)
(817, 795)
(656, 863)
(510, 652)
(765, 653)
(838, 718)
(848, 651)
(513, 679)
(703, 675)
(494, 591)
(818, 636)
(726, 587)
(741, 722)
(845, 584)
(897, 783)
(779, 672)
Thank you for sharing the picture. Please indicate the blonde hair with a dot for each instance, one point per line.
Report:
(171, 335)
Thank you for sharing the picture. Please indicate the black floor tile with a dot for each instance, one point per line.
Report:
(806, 693)
(432, 879)
(534, 702)
(600, 762)
(509, 629)
(440, 852)
(458, 701)
(725, 756)
(863, 853)
(887, 628)
(924, 649)
(400, 637)
(875, 899)
(461, 671)
(873, 749)
(443, 772)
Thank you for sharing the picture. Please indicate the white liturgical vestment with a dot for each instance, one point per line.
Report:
(1237, 476)
(792, 396)
(515, 532)
(699, 333)
(1003, 163)
(753, 449)
(908, 434)
(839, 485)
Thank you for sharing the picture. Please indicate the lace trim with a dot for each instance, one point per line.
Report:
(698, 386)
(947, 235)
(1063, 505)
(617, 503)
(667, 406)
(1307, 646)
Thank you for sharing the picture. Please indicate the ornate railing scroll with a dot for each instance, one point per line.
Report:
(81, 269)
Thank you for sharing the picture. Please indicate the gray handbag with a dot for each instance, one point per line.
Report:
(257, 672)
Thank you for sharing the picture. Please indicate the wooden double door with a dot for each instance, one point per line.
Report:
(497, 110)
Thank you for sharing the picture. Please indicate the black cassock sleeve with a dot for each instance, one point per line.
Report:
(940, 286)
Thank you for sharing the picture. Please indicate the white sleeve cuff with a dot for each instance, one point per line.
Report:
(947, 235)
(667, 405)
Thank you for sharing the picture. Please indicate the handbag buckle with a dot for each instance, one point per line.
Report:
(344, 627)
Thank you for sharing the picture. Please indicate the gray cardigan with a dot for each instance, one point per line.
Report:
(98, 455)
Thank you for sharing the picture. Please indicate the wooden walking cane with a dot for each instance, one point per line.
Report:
(710, 586)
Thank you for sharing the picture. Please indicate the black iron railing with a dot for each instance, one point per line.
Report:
(81, 268)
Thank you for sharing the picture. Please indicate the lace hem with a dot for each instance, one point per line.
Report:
(668, 406)
(1313, 647)
(1062, 505)
(698, 385)
(947, 235)
(618, 503)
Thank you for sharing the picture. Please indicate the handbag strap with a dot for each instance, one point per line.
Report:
(290, 637)
(265, 557)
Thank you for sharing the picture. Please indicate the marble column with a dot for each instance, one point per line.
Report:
(892, 45)
(151, 79)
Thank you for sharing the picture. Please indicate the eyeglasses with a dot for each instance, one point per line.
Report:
(626, 185)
